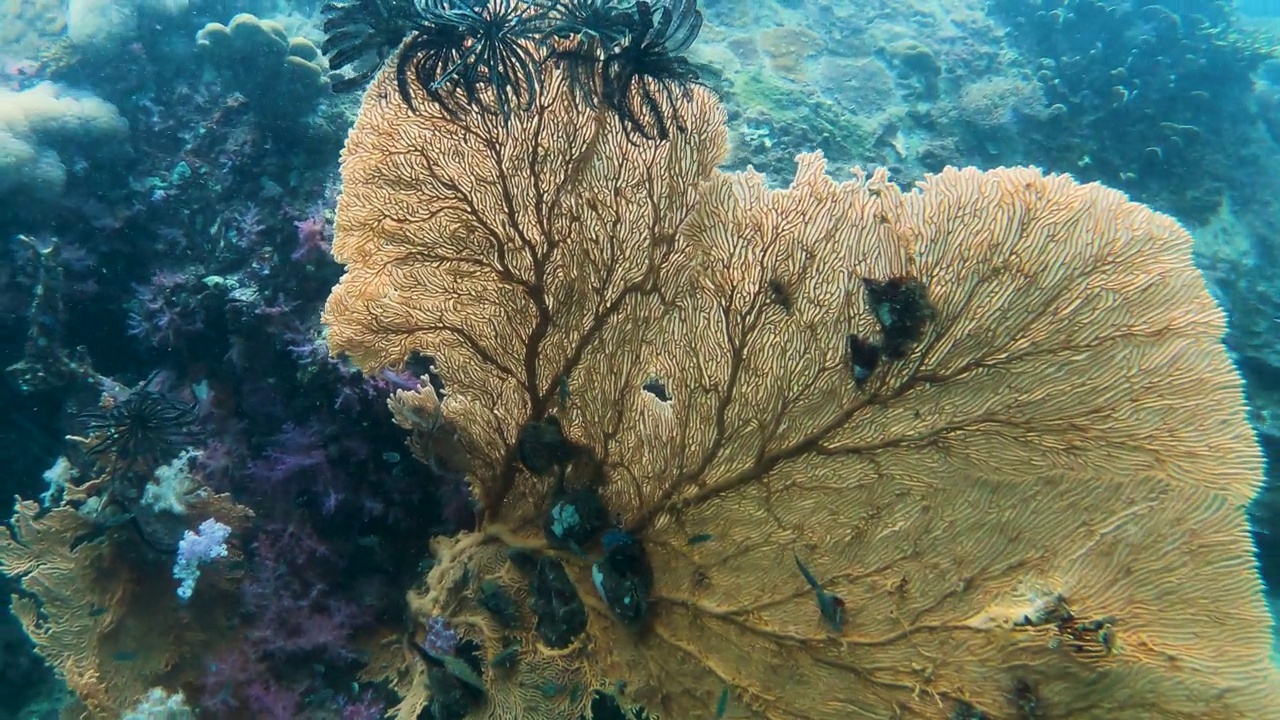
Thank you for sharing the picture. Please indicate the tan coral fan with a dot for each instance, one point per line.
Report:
(1042, 505)
(105, 619)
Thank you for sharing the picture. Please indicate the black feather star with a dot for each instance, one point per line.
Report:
(142, 431)
(624, 55)
(646, 75)
(629, 57)
(471, 53)
(602, 23)
(363, 34)
(581, 34)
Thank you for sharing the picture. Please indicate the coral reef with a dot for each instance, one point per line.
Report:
(43, 131)
(847, 378)
(29, 25)
(166, 230)
(1154, 96)
(773, 116)
(859, 81)
(279, 75)
(104, 25)
(184, 264)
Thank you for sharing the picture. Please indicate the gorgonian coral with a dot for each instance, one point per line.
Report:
(972, 450)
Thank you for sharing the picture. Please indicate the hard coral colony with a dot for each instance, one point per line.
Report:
(871, 379)
(709, 449)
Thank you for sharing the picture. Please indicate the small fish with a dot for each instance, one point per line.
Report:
(564, 392)
(722, 707)
(699, 539)
(780, 295)
(461, 670)
(507, 657)
(829, 604)
(550, 689)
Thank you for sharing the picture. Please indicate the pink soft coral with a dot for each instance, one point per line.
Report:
(314, 236)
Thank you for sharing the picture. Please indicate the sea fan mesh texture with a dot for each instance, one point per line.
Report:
(1039, 512)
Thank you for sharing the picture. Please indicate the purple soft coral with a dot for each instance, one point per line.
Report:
(167, 311)
(441, 639)
(363, 707)
(295, 612)
(243, 226)
(314, 236)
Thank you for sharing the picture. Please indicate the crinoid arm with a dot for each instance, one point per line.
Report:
(644, 79)
(580, 35)
(678, 25)
(475, 56)
(360, 35)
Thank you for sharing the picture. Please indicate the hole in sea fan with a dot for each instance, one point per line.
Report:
(656, 388)
(780, 294)
(419, 365)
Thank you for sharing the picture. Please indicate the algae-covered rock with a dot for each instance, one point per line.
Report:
(772, 116)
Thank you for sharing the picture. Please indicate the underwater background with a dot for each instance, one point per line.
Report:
(168, 180)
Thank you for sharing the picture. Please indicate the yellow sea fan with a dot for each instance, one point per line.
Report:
(103, 618)
(1031, 505)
